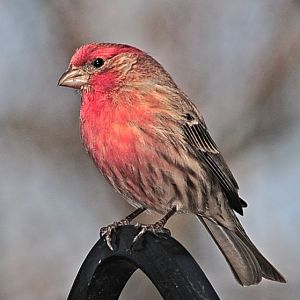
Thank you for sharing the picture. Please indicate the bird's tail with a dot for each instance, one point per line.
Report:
(246, 262)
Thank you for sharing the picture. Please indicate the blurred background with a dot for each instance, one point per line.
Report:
(239, 61)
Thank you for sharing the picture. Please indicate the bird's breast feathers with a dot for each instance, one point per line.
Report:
(115, 134)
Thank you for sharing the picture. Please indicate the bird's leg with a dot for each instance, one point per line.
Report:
(107, 230)
(157, 227)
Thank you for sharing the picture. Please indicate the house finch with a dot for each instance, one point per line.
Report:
(151, 143)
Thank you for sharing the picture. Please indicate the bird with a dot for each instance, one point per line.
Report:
(151, 143)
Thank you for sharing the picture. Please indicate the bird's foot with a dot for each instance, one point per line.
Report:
(155, 228)
(108, 230)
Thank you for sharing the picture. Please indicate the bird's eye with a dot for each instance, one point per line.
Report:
(98, 62)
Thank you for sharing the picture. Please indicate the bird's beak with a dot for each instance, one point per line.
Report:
(74, 78)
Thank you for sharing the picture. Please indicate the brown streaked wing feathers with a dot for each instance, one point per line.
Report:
(199, 138)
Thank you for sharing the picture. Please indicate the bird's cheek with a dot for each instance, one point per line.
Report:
(103, 82)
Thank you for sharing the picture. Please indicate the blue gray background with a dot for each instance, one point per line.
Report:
(239, 61)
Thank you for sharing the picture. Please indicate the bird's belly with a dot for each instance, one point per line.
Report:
(149, 173)
(143, 182)
(152, 181)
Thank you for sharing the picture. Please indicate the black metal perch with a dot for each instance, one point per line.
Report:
(169, 266)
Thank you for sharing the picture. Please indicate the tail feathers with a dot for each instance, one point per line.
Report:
(248, 265)
(268, 270)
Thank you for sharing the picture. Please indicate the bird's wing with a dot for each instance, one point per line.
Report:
(196, 134)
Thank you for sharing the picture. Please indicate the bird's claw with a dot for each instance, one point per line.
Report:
(155, 228)
(108, 230)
